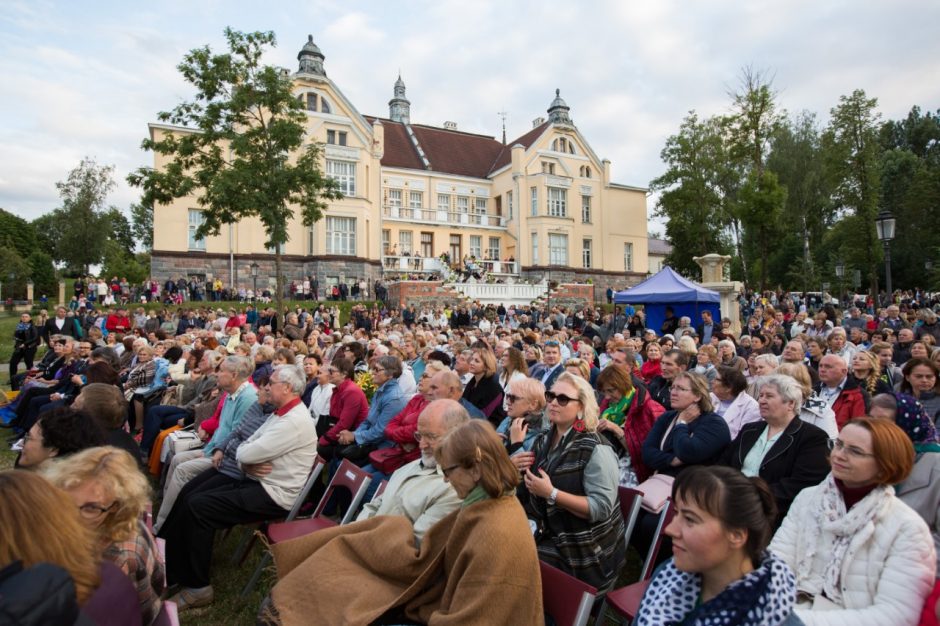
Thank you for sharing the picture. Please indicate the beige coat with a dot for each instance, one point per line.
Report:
(478, 565)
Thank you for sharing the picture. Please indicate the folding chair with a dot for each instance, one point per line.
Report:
(630, 501)
(241, 552)
(626, 601)
(566, 599)
(380, 490)
(347, 476)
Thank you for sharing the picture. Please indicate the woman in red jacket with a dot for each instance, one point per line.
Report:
(627, 416)
(348, 407)
(652, 366)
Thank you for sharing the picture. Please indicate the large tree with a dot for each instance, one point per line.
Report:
(142, 224)
(18, 232)
(82, 216)
(690, 197)
(852, 153)
(246, 153)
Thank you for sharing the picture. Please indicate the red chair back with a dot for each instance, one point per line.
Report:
(318, 464)
(351, 477)
(565, 598)
(380, 490)
(630, 501)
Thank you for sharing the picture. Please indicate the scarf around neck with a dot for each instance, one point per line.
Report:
(855, 526)
(763, 597)
(617, 413)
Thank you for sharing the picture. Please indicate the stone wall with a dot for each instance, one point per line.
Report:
(601, 280)
(423, 293)
(164, 265)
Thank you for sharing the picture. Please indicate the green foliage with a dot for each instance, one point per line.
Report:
(690, 196)
(14, 271)
(48, 229)
(142, 224)
(246, 155)
(119, 230)
(81, 226)
(117, 262)
(18, 232)
(43, 273)
(760, 208)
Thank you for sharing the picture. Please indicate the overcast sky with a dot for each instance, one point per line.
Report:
(85, 78)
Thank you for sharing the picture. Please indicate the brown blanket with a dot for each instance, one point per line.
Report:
(478, 565)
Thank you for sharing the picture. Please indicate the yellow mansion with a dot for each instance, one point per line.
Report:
(541, 205)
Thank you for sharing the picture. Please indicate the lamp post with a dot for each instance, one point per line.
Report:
(884, 224)
(254, 276)
(840, 272)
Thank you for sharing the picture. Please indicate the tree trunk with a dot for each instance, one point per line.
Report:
(279, 289)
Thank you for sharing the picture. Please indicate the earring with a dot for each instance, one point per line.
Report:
(579, 424)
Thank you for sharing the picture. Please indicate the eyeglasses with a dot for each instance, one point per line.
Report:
(838, 444)
(678, 388)
(378, 369)
(551, 343)
(563, 400)
(510, 398)
(426, 437)
(447, 470)
(90, 510)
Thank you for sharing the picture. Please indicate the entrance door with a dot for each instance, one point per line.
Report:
(456, 250)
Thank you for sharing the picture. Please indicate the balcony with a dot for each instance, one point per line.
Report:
(444, 218)
(406, 264)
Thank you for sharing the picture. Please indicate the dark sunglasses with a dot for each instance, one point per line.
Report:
(511, 398)
(563, 400)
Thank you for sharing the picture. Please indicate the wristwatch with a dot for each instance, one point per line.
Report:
(553, 496)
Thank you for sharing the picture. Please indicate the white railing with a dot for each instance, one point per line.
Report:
(508, 293)
(412, 264)
(444, 217)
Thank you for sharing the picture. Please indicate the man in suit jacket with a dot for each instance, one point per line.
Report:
(60, 325)
(551, 366)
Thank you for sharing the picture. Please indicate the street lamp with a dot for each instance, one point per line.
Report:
(254, 276)
(884, 224)
(840, 272)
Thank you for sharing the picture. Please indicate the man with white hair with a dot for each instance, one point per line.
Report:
(417, 490)
(278, 457)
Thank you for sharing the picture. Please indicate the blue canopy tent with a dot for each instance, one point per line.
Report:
(668, 289)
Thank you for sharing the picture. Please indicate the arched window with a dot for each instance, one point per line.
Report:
(563, 144)
(310, 101)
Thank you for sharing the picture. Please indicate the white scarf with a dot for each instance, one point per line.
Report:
(853, 527)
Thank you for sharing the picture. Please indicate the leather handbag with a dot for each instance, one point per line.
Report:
(387, 460)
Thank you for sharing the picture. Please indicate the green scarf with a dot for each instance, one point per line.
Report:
(617, 413)
(478, 494)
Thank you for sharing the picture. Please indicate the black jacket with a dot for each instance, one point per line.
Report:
(69, 328)
(27, 339)
(797, 460)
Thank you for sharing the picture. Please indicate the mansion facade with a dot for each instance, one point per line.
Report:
(541, 206)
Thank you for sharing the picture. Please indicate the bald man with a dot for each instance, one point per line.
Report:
(447, 386)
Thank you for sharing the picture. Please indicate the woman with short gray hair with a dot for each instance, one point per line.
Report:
(785, 451)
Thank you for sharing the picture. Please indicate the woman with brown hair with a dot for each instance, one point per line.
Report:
(920, 381)
(513, 367)
(112, 494)
(40, 524)
(861, 556)
(483, 390)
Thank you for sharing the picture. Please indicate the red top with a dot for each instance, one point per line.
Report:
(650, 370)
(210, 425)
(118, 323)
(349, 407)
(401, 428)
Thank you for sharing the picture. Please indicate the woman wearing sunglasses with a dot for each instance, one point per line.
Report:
(861, 556)
(571, 489)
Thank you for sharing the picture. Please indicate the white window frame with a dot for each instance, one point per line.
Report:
(557, 249)
(557, 202)
(476, 246)
(463, 209)
(586, 209)
(534, 200)
(196, 219)
(443, 207)
(479, 211)
(628, 256)
(535, 248)
(386, 240)
(509, 204)
(405, 242)
(493, 249)
(344, 173)
(586, 250)
(341, 235)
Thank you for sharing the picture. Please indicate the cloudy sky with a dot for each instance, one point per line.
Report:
(85, 78)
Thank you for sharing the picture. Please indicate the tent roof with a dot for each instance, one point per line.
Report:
(666, 287)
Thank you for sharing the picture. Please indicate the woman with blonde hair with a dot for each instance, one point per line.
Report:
(571, 480)
(483, 390)
(687, 346)
(866, 369)
(40, 524)
(112, 495)
(525, 414)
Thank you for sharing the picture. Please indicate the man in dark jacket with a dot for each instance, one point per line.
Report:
(59, 325)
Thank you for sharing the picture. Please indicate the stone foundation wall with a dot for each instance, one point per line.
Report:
(164, 265)
(600, 280)
(422, 293)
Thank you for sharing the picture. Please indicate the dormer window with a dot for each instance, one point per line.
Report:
(585, 171)
(336, 137)
(311, 100)
(563, 144)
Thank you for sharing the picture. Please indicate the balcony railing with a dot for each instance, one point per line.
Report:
(425, 265)
(453, 218)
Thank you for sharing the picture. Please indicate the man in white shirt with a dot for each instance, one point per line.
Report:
(417, 490)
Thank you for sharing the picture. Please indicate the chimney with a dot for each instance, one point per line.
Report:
(538, 122)
(450, 125)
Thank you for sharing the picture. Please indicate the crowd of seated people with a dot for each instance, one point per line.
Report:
(800, 459)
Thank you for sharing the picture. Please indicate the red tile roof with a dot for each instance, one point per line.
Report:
(448, 151)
